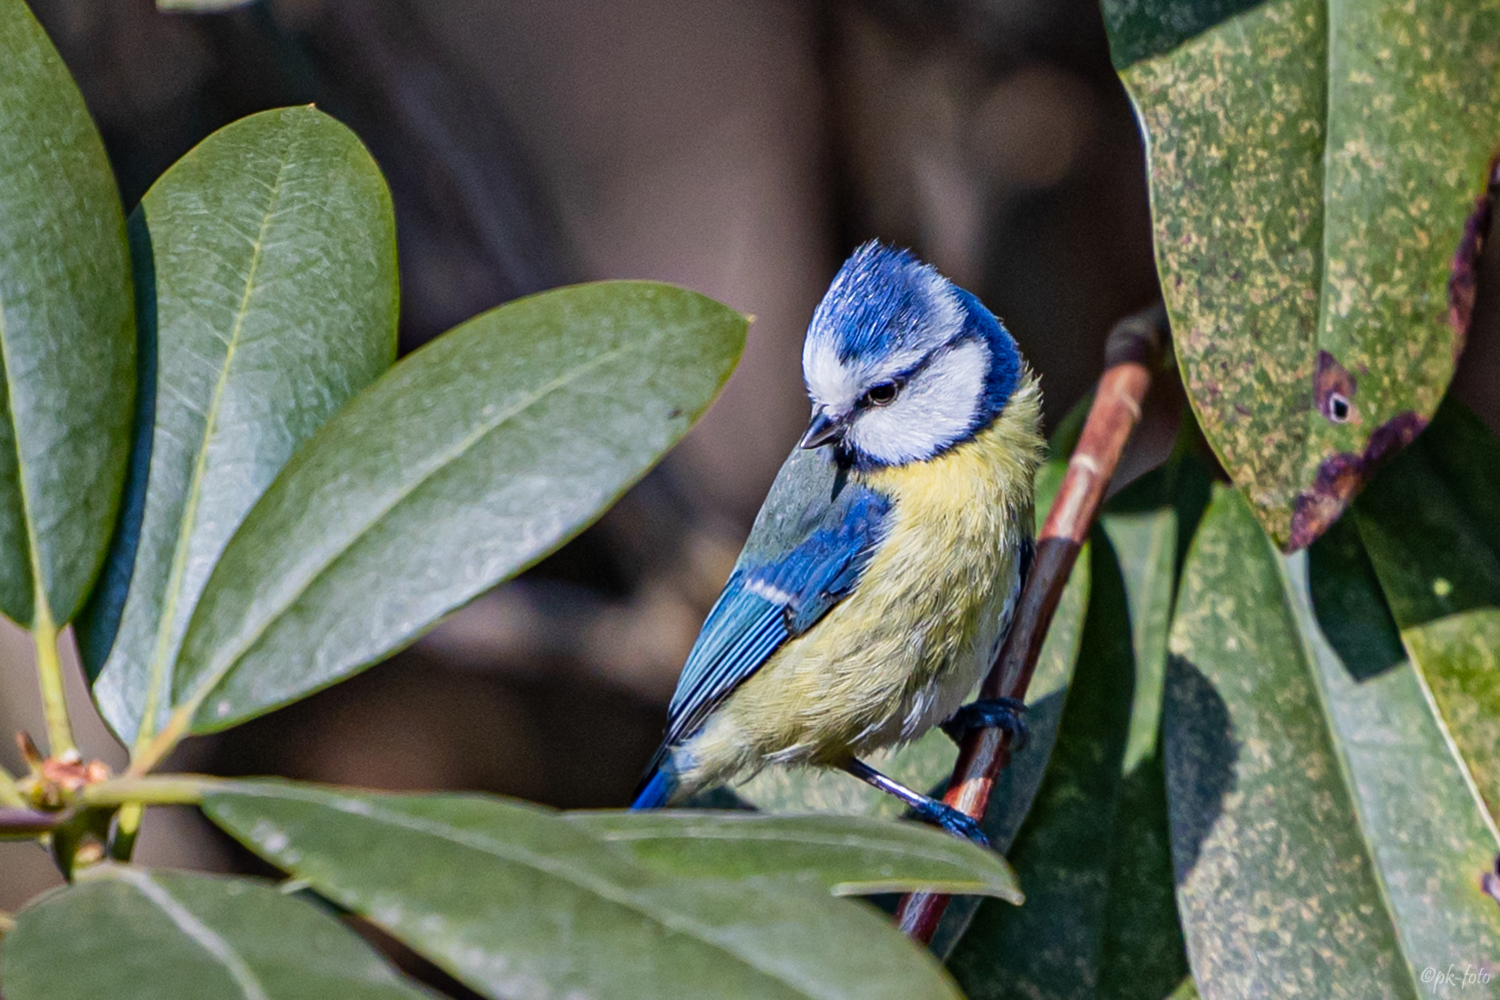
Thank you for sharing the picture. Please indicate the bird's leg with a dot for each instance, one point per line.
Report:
(990, 713)
(925, 806)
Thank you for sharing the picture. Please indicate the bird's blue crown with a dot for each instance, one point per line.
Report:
(903, 364)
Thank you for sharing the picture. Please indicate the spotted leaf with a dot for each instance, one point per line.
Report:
(1312, 169)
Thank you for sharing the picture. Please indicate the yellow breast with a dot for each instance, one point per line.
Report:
(899, 653)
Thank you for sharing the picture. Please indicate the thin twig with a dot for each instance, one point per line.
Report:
(166, 790)
(1130, 356)
(28, 822)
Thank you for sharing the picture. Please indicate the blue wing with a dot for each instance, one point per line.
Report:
(812, 540)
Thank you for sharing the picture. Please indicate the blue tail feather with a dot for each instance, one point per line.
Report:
(656, 792)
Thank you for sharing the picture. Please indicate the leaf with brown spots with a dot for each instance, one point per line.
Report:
(1312, 170)
(1324, 838)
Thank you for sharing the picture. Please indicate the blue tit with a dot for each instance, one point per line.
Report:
(883, 571)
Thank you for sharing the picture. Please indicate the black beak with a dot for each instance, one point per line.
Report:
(821, 430)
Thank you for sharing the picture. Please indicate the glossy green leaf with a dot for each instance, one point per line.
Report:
(1093, 854)
(67, 334)
(1142, 951)
(1351, 609)
(1431, 523)
(131, 934)
(1312, 166)
(267, 270)
(1140, 29)
(518, 902)
(1324, 838)
(848, 855)
(1397, 756)
(470, 460)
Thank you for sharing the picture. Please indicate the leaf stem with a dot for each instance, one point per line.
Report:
(1131, 353)
(27, 823)
(7, 923)
(49, 675)
(166, 790)
(148, 756)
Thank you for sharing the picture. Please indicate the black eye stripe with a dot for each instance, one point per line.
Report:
(902, 378)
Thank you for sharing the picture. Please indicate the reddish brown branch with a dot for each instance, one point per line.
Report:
(1131, 354)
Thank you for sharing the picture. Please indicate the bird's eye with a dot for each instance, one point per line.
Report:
(882, 394)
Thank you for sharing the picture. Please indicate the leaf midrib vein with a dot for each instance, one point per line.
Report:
(196, 930)
(443, 459)
(33, 551)
(600, 887)
(852, 842)
(159, 664)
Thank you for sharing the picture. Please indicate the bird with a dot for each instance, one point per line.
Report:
(883, 571)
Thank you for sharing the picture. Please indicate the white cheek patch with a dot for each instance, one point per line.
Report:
(934, 410)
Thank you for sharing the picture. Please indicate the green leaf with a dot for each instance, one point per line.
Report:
(67, 335)
(517, 902)
(469, 461)
(1142, 951)
(1100, 919)
(848, 855)
(1312, 166)
(1347, 600)
(1324, 838)
(1431, 523)
(132, 934)
(1397, 756)
(1140, 29)
(267, 267)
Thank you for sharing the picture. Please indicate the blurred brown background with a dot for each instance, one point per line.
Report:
(740, 147)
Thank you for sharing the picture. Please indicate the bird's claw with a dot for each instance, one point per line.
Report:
(990, 713)
(950, 819)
